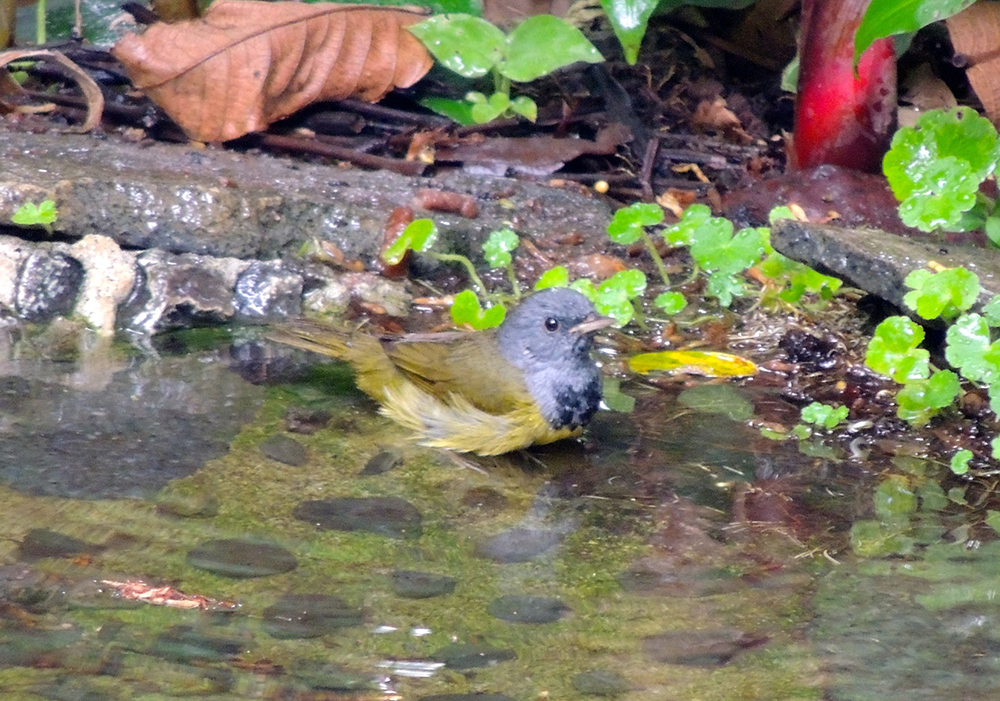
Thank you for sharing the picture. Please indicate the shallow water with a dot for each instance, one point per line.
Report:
(307, 551)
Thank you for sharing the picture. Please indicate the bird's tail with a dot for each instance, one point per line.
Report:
(373, 369)
(315, 336)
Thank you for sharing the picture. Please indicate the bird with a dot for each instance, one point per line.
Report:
(530, 381)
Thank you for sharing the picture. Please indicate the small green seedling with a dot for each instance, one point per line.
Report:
(497, 251)
(473, 48)
(30, 214)
(421, 234)
(824, 415)
(960, 462)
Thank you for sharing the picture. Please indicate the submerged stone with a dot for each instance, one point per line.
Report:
(517, 545)
(309, 616)
(519, 608)
(700, 648)
(474, 696)
(484, 498)
(600, 682)
(306, 421)
(242, 558)
(328, 676)
(36, 648)
(412, 584)
(41, 542)
(382, 461)
(194, 506)
(388, 516)
(284, 449)
(185, 644)
(468, 656)
(108, 426)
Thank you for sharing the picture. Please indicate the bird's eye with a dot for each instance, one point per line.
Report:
(551, 324)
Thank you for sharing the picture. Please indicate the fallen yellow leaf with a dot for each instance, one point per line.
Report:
(704, 363)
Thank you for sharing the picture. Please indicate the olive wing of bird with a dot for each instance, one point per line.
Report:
(466, 364)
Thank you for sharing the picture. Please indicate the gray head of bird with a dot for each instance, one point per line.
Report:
(549, 337)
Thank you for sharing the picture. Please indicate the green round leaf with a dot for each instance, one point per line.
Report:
(467, 45)
(893, 350)
(670, 302)
(419, 235)
(626, 226)
(498, 247)
(936, 167)
(467, 310)
(553, 277)
(960, 462)
(543, 44)
(525, 107)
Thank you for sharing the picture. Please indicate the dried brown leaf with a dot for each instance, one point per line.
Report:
(92, 93)
(975, 34)
(245, 64)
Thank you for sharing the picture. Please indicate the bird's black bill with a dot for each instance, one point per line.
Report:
(593, 322)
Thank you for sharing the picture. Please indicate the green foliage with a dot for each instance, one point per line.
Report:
(969, 349)
(466, 309)
(942, 294)
(498, 247)
(628, 224)
(695, 218)
(796, 279)
(473, 48)
(670, 302)
(935, 168)
(824, 415)
(893, 350)
(419, 236)
(629, 18)
(614, 296)
(553, 277)
(960, 462)
(919, 400)
(30, 214)
(888, 17)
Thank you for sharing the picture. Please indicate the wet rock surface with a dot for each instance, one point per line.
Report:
(523, 608)
(224, 203)
(878, 262)
(383, 461)
(700, 648)
(155, 290)
(600, 682)
(235, 557)
(469, 656)
(518, 545)
(411, 584)
(77, 437)
(284, 449)
(42, 542)
(48, 285)
(388, 516)
(309, 616)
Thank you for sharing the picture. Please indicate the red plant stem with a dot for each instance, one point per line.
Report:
(841, 118)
